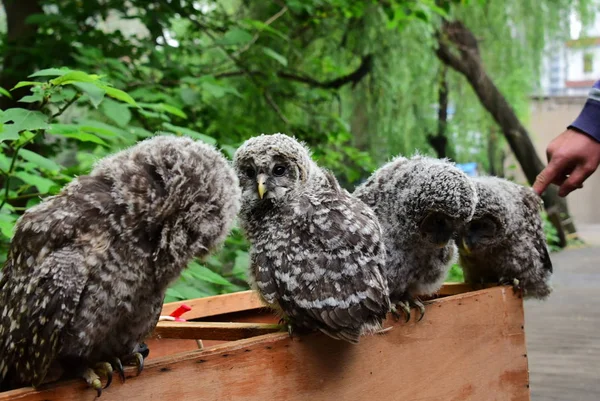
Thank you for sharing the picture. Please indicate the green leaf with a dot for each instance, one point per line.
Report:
(164, 107)
(241, 264)
(119, 95)
(118, 112)
(86, 137)
(95, 93)
(276, 56)
(205, 274)
(39, 160)
(22, 119)
(189, 96)
(173, 295)
(24, 137)
(173, 110)
(41, 183)
(36, 97)
(6, 93)
(4, 160)
(235, 36)
(188, 132)
(73, 131)
(261, 26)
(50, 72)
(229, 150)
(25, 83)
(73, 77)
(140, 132)
(215, 90)
(7, 224)
(8, 136)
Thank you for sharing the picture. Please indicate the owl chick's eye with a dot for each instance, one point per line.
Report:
(279, 170)
(250, 172)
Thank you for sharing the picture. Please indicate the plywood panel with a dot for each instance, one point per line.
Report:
(468, 347)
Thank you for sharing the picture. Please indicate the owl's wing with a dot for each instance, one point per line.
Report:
(43, 279)
(39, 301)
(331, 276)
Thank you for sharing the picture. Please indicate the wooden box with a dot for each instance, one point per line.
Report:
(469, 346)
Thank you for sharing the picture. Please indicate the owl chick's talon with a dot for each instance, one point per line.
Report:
(93, 380)
(106, 369)
(139, 362)
(118, 366)
(417, 302)
(395, 313)
(406, 309)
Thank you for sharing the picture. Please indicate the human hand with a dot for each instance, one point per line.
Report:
(572, 158)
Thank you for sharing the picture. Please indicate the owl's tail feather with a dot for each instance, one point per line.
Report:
(349, 336)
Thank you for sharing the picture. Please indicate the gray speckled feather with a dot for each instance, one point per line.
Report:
(506, 240)
(88, 268)
(316, 252)
(420, 202)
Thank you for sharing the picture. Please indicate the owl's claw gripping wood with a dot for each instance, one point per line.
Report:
(405, 308)
(515, 283)
(136, 359)
(93, 380)
(417, 302)
(92, 376)
(119, 368)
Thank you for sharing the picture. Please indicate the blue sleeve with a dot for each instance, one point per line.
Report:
(588, 121)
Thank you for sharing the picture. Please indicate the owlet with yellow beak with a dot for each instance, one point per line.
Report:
(317, 255)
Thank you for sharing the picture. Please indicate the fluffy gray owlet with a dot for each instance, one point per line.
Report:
(505, 242)
(316, 255)
(421, 203)
(88, 268)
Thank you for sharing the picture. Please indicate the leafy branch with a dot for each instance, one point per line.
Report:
(16, 150)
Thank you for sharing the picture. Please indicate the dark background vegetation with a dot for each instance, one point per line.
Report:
(359, 81)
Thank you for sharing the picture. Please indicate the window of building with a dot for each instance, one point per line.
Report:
(588, 62)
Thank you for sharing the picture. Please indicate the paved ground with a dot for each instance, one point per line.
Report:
(563, 333)
(590, 233)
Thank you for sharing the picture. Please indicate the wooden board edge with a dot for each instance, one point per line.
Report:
(213, 330)
(249, 300)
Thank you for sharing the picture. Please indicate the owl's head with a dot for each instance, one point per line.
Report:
(272, 166)
(501, 205)
(179, 197)
(440, 197)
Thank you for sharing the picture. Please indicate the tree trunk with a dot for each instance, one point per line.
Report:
(466, 60)
(439, 141)
(20, 36)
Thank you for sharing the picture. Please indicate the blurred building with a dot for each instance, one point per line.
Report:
(571, 67)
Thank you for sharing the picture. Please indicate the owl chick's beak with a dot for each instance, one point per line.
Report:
(261, 179)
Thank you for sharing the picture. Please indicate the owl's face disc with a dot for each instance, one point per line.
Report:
(267, 177)
(270, 167)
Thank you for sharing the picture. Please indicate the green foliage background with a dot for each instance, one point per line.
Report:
(106, 74)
